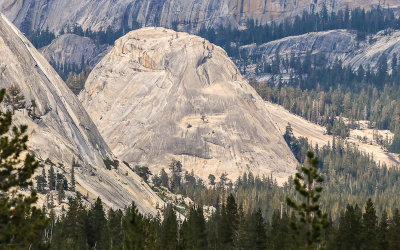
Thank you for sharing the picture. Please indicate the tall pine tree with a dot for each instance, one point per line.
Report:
(20, 222)
(312, 219)
(370, 223)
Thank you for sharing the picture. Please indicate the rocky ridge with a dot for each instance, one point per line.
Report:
(160, 94)
(332, 45)
(72, 49)
(186, 15)
(61, 128)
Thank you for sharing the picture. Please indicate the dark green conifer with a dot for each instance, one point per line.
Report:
(383, 232)
(257, 234)
(194, 234)
(312, 219)
(164, 178)
(229, 223)
(14, 98)
(97, 230)
(72, 233)
(20, 223)
(72, 187)
(370, 223)
(169, 230)
(133, 223)
(115, 228)
(350, 228)
(41, 182)
(394, 233)
(52, 178)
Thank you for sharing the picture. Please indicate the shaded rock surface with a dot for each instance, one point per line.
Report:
(72, 49)
(159, 94)
(186, 14)
(64, 130)
(332, 45)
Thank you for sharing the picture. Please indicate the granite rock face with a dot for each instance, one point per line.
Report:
(63, 130)
(188, 15)
(160, 95)
(72, 49)
(332, 45)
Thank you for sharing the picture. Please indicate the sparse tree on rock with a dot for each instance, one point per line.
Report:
(164, 178)
(143, 171)
(175, 166)
(14, 98)
(52, 178)
(211, 178)
(41, 182)
(72, 188)
(61, 193)
(32, 111)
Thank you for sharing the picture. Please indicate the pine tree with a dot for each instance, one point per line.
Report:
(257, 234)
(72, 188)
(370, 222)
(70, 233)
(312, 219)
(194, 235)
(41, 182)
(169, 230)
(20, 222)
(350, 227)
(115, 228)
(383, 232)
(242, 235)
(212, 228)
(133, 223)
(52, 178)
(96, 229)
(14, 98)
(394, 233)
(50, 204)
(143, 171)
(395, 146)
(164, 178)
(211, 178)
(32, 111)
(175, 166)
(292, 142)
(61, 193)
(280, 235)
(229, 223)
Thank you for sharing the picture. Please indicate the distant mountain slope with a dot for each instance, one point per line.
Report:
(72, 49)
(160, 95)
(316, 135)
(331, 45)
(64, 130)
(187, 14)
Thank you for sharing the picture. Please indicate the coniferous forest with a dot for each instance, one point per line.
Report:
(252, 213)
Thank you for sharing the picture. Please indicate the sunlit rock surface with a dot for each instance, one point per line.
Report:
(64, 130)
(188, 15)
(73, 49)
(159, 94)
